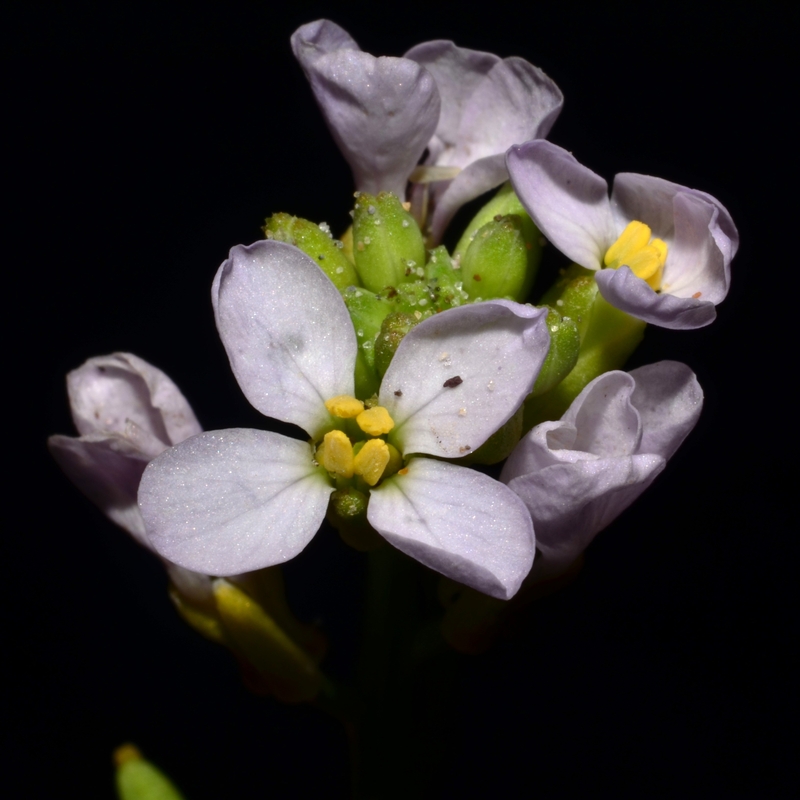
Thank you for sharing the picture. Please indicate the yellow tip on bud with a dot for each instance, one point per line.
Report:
(336, 454)
(125, 753)
(375, 421)
(635, 249)
(371, 460)
(344, 406)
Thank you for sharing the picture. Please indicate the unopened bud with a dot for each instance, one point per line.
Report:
(393, 329)
(138, 779)
(315, 241)
(565, 344)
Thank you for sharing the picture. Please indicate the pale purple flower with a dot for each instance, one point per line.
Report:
(488, 105)
(465, 106)
(127, 412)
(577, 474)
(236, 500)
(570, 205)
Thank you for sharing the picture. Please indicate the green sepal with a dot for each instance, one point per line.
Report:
(315, 241)
(444, 280)
(367, 311)
(565, 345)
(137, 779)
(387, 243)
(394, 328)
(292, 676)
(503, 203)
(502, 259)
(414, 298)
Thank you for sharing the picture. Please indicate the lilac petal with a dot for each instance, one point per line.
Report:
(382, 112)
(458, 522)
(107, 469)
(622, 289)
(458, 72)
(568, 202)
(459, 375)
(516, 102)
(471, 182)
(193, 586)
(547, 444)
(571, 502)
(606, 421)
(669, 401)
(233, 501)
(123, 394)
(649, 200)
(287, 333)
(316, 39)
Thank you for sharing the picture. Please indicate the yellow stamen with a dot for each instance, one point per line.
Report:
(371, 460)
(344, 406)
(336, 454)
(635, 249)
(375, 421)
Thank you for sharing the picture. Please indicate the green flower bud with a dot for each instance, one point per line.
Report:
(315, 241)
(367, 310)
(387, 242)
(501, 260)
(138, 779)
(393, 329)
(444, 280)
(503, 203)
(291, 675)
(565, 344)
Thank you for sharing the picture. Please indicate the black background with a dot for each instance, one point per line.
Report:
(145, 141)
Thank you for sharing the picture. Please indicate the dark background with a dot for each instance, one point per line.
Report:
(141, 145)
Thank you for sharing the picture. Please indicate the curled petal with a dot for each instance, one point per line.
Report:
(287, 333)
(459, 375)
(571, 502)
(316, 39)
(621, 288)
(568, 202)
(233, 501)
(669, 401)
(458, 522)
(382, 112)
(123, 394)
(107, 469)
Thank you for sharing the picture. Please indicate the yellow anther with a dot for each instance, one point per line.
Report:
(371, 460)
(344, 406)
(375, 421)
(336, 454)
(635, 249)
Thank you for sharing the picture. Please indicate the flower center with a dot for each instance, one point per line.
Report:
(370, 459)
(645, 256)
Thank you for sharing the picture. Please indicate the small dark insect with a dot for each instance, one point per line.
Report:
(452, 382)
(476, 277)
(398, 393)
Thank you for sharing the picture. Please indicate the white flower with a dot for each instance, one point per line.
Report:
(233, 501)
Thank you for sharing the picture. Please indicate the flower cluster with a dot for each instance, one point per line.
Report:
(408, 365)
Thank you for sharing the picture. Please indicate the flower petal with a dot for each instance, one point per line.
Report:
(459, 375)
(568, 202)
(622, 289)
(121, 393)
(232, 501)
(382, 112)
(606, 421)
(107, 469)
(571, 503)
(287, 333)
(458, 522)
(669, 401)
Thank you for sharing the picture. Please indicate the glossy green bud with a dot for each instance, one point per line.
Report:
(393, 329)
(565, 345)
(367, 311)
(315, 241)
(501, 260)
(503, 203)
(138, 779)
(292, 676)
(387, 242)
(444, 280)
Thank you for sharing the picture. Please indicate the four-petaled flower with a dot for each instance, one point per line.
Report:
(232, 501)
(577, 474)
(466, 107)
(675, 279)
